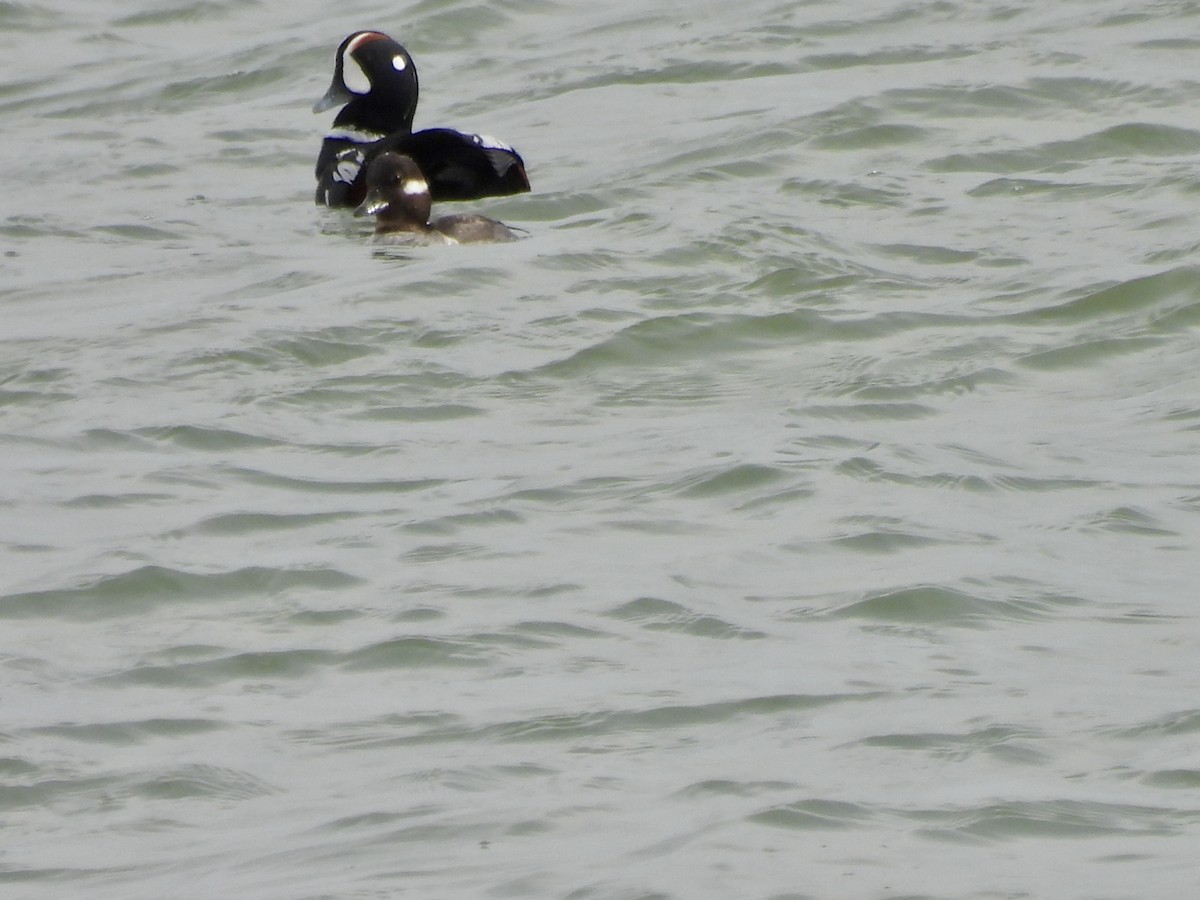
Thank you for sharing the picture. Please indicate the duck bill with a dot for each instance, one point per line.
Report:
(372, 205)
(335, 96)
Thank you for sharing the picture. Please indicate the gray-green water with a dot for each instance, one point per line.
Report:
(809, 508)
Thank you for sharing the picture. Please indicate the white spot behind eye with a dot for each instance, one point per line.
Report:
(414, 186)
(399, 63)
(354, 77)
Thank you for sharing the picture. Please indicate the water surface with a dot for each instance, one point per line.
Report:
(807, 509)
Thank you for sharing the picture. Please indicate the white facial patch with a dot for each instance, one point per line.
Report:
(399, 63)
(353, 76)
(415, 186)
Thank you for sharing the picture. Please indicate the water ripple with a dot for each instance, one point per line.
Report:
(144, 589)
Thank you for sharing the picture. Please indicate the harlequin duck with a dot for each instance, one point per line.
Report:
(375, 78)
(398, 196)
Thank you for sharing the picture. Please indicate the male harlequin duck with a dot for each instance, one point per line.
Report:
(376, 79)
(398, 196)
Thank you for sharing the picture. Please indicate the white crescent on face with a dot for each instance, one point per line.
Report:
(353, 75)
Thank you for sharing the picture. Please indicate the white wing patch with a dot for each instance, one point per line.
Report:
(487, 142)
(349, 164)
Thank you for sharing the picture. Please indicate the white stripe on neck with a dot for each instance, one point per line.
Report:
(352, 134)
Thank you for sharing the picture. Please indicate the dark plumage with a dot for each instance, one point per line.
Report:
(375, 81)
(398, 196)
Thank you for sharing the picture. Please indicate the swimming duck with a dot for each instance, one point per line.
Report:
(398, 196)
(375, 82)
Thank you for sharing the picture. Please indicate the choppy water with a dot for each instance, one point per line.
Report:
(808, 509)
